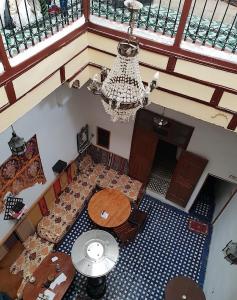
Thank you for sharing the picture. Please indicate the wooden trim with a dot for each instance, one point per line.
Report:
(171, 64)
(77, 73)
(182, 23)
(233, 123)
(224, 207)
(163, 90)
(86, 9)
(3, 56)
(11, 95)
(62, 74)
(166, 50)
(216, 97)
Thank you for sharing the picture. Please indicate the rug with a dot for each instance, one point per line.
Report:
(198, 227)
(165, 249)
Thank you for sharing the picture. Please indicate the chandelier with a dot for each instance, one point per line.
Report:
(121, 88)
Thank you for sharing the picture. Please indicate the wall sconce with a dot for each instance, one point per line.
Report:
(230, 252)
(16, 144)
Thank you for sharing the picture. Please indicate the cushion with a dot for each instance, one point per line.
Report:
(36, 250)
(85, 163)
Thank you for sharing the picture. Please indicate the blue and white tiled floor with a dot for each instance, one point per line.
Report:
(165, 249)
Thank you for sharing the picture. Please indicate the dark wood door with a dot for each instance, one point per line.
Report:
(142, 153)
(185, 177)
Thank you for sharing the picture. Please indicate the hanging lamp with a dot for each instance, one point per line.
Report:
(121, 88)
(16, 144)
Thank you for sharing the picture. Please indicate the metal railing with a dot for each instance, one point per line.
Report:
(159, 16)
(210, 22)
(213, 23)
(24, 23)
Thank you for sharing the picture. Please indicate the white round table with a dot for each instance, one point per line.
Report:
(94, 254)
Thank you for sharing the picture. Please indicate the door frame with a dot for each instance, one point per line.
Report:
(227, 202)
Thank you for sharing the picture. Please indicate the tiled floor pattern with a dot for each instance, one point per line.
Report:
(165, 249)
(203, 208)
(160, 177)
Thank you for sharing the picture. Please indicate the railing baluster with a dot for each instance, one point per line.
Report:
(50, 20)
(99, 8)
(29, 24)
(72, 11)
(36, 21)
(107, 9)
(166, 18)
(214, 11)
(13, 33)
(190, 20)
(219, 29)
(148, 16)
(200, 21)
(123, 10)
(229, 32)
(22, 29)
(5, 37)
(157, 17)
(176, 18)
(115, 10)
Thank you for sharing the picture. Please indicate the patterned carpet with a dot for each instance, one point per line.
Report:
(165, 249)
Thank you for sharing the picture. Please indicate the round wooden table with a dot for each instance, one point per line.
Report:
(183, 288)
(112, 204)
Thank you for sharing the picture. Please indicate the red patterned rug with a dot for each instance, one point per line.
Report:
(198, 227)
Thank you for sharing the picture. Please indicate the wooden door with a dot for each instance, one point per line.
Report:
(185, 177)
(142, 153)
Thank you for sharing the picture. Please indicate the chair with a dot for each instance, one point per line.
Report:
(128, 231)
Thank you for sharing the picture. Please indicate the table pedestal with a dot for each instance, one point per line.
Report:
(96, 287)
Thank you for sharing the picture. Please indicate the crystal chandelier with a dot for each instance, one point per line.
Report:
(121, 88)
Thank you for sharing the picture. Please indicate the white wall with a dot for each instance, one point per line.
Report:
(220, 281)
(121, 133)
(223, 191)
(56, 129)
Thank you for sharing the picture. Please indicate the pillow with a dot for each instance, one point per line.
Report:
(85, 163)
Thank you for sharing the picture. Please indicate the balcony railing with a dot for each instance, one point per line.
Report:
(210, 22)
(24, 23)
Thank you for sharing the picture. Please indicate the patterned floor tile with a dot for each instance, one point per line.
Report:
(165, 249)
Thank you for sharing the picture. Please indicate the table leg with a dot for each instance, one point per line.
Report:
(96, 287)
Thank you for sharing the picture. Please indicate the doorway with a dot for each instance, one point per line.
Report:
(164, 163)
(212, 198)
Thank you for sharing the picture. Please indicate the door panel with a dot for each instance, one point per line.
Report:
(185, 177)
(142, 154)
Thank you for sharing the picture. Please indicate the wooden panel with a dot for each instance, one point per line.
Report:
(74, 169)
(57, 187)
(185, 177)
(63, 180)
(43, 207)
(142, 153)
(35, 215)
(49, 197)
(3, 97)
